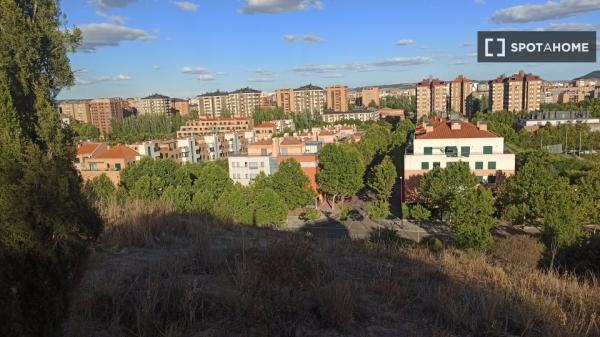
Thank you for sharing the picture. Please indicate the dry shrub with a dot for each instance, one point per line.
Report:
(336, 305)
(517, 252)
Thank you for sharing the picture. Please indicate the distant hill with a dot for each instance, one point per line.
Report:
(593, 75)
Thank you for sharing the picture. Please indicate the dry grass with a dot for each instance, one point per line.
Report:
(203, 278)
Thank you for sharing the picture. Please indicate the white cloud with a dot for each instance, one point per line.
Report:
(206, 77)
(333, 68)
(304, 38)
(571, 26)
(195, 70)
(279, 6)
(261, 79)
(549, 10)
(405, 42)
(107, 34)
(156, 67)
(107, 4)
(99, 79)
(116, 19)
(187, 6)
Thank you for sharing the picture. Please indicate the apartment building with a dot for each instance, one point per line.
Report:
(361, 114)
(369, 96)
(286, 100)
(309, 98)
(180, 106)
(110, 162)
(432, 95)
(461, 97)
(79, 110)
(104, 110)
(209, 126)
(85, 151)
(540, 119)
(337, 98)
(155, 105)
(243, 102)
(150, 148)
(442, 142)
(519, 92)
(212, 104)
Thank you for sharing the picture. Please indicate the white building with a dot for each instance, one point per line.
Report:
(155, 105)
(190, 152)
(244, 168)
(362, 115)
(543, 118)
(441, 142)
(148, 148)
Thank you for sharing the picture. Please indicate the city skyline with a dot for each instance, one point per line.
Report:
(133, 48)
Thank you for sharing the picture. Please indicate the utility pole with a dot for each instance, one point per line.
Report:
(566, 140)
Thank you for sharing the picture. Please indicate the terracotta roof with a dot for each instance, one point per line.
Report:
(290, 141)
(326, 133)
(263, 142)
(119, 151)
(87, 148)
(442, 130)
(267, 125)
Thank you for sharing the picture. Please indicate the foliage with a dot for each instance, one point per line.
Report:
(472, 218)
(590, 104)
(344, 212)
(379, 210)
(387, 237)
(440, 185)
(419, 213)
(261, 115)
(268, 208)
(84, 131)
(102, 188)
(147, 188)
(211, 182)
(589, 185)
(375, 142)
(311, 214)
(45, 219)
(145, 127)
(406, 103)
(382, 179)
(292, 184)
(164, 169)
(341, 171)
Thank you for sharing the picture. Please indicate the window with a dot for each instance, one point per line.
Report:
(451, 151)
(487, 150)
(263, 152)
(479, 165)
(424, 165)
(491, 179)
(117, 167)
(93, 167)
(465, 151)
(436, 164)
(428, 150)
(284, 150)
(491, 165)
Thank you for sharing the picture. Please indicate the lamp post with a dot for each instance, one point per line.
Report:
(401, 201)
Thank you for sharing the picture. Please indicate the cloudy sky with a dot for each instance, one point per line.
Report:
(183, 48)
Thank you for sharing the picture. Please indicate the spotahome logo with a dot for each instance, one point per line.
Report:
(536, 46)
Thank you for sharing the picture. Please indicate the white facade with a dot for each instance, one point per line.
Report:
(244, 169)
(148, 149)
(361, 115)
(189, 150)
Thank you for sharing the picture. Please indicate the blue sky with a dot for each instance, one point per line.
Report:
(133, 48)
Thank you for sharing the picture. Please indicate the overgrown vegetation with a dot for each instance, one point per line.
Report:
(145, 127)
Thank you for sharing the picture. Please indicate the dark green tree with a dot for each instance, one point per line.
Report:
(84, 131)
(102, 188)
(419, 213)
(440, 185)
(382, 179)
(342, 171)
(292, 184)
(472, 217)
(45, 220)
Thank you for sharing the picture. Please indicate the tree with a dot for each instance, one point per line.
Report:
(102, 188)
(440, 185)
(84, 131)
(164, 169)
(590, 190)
(379, 210)
(292, 184)
(268, 208)
(193, 114)
(473, 218)
(375, 142)
(148, 187)
(234, 204)
(45, 219)
(382, 179)
(341, 171)
(419, 213)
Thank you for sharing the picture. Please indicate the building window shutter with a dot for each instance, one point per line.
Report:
(487, 150)
(428, 150)
(424, 165)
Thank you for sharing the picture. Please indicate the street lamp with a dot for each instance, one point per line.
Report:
(401, 201)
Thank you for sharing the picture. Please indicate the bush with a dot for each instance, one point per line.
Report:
(379, 210)
(311, 214)
(387, 236)
(518, 252)
(434, 244)
(344, 211)
(405, 211)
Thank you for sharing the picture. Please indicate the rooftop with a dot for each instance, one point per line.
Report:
(156, 96)
(214, 93)
(442, 130)
(87, 148)
(266, 125)
(246, 90)
(119, 151)
(263, 142)
(290, 141)
(309, 87)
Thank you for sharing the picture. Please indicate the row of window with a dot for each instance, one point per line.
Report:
(491, 165)
(252, 165)
(465, 151)
(245, 176)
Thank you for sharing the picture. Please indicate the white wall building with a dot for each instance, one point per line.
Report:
(243, 169)
(362, 115)
(148, 148)
(441, 142)
(189, 150)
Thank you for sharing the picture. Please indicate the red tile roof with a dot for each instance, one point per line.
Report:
(267, 125)
(263, 142)
(87, 148)
(442, 130)
(326, 133)
(117, 152)
(290, 141)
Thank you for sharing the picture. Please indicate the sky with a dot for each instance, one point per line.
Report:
(134, 48)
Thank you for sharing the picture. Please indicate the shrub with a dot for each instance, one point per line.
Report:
(434, 244)
(379, 210)
(387, 236)
(336, 305)
(311, 214)
(344, 211)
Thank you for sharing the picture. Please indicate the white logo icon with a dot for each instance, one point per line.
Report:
(500, 54)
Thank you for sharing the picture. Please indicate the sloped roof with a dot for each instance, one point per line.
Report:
(263, 142)
(309, 87)
(442, 130)
(267, 125)
(156, 96)
(117, 152)
(214, 93)
(290, 141)
(246, 90)
(87, 148)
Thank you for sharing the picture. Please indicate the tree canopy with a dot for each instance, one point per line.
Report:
(342, 171)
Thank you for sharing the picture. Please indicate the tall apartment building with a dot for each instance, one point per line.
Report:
(209, 126)
(105, 110)
(309, 98)
(212, 104)
(442, 142)
(243, 102)
(337, 98)
(518, 92)
(285, 99)
(155, 105)
(180, 106)
(368, 96)
(432, 95)
(79, 110)
(461, 90)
